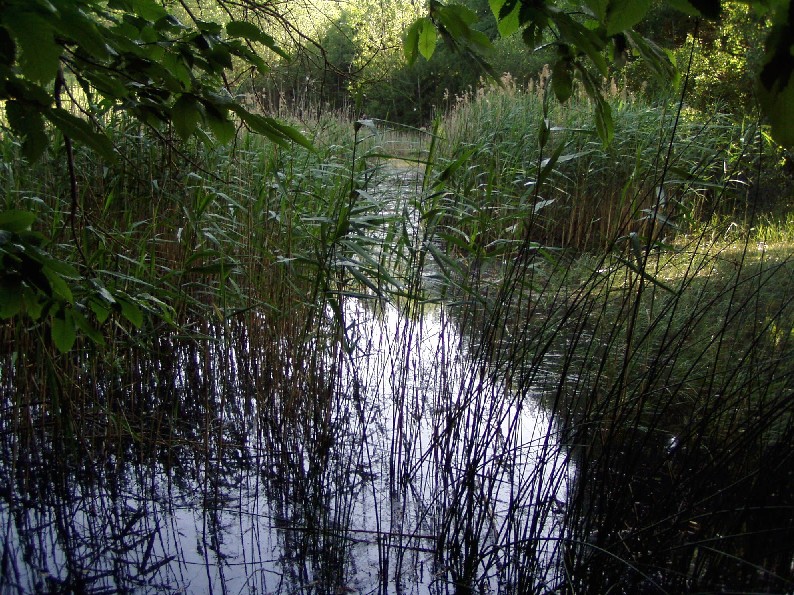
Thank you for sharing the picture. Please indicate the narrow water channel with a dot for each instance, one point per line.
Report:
(409, 465)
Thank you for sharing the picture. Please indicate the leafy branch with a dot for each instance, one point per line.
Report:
(588, 36)
(133, 56)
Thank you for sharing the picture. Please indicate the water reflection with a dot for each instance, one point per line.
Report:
(389, 462)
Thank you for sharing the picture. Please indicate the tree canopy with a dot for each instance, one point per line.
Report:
(588, 36)
(139, 56)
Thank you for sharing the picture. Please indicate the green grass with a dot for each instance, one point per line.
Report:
(666, 170)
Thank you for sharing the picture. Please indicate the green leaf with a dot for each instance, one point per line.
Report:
(210, 28)
(10, 299)
(777, 105)
(106, 295)
(647, 276)
(82, 131)
(16, 221)
(507, 23)
(40, 54)
(217, 118)
(63, 331)
(220, 58)
(479, 39)
(131, 312)
(659, 61)
(775, 85)
(82, 323)
(244, 52)
(711, 9)
(100, 311)
(459, 13)
(449, 170)
(361, 278)
(448, 265)
(452, 20)
(28, 123)
(251, 32)
(582, 38)
(34, 303)
(532, 36)
(624, 14)
(218, 267)
(149, 10)
(8, 49)
(599, 8)
(456, 20)
(428, 37)
(244, 29)
(273, 129)
(109, 86)
(544, 132)
(562, 80)
(62, 268)
(605, 126)
(548, 164)
(707, 8)
(84, 30)
(411, 41)
(185, 115)
(176, 66)
(60, 288)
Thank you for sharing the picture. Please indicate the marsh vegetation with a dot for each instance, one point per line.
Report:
(413, 361)
(494, 354)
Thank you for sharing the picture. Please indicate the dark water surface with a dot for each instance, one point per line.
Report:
(416, 474)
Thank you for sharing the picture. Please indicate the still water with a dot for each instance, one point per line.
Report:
(419, 471)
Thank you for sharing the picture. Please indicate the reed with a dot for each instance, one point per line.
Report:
(666, 169)
(369, 372)
(672, 393)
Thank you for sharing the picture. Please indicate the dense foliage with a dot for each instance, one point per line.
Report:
(586, 38)
(72, 65)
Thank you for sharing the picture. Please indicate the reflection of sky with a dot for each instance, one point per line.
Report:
(441, 414)
(412, 415)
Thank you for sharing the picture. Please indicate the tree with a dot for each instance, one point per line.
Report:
(727, 55)
(588, 35)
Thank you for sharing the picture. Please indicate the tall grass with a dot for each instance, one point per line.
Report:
(666, 169)
(674, 362)
(384, 375)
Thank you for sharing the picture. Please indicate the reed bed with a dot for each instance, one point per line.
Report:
(673, 391)
(338, 372)
(668, 168)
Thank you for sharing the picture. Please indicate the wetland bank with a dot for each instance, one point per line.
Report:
(341, 373)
